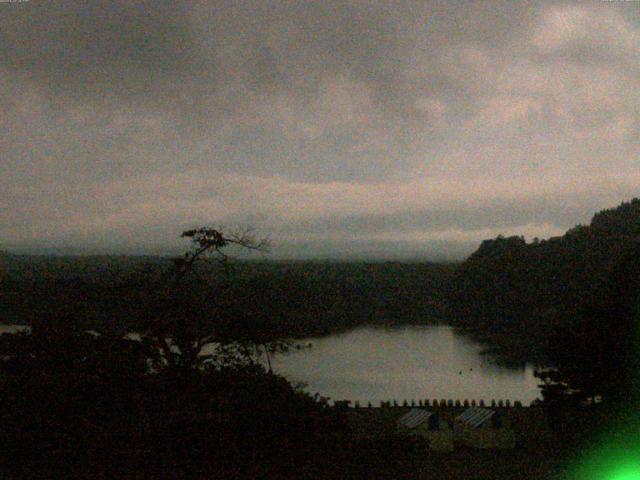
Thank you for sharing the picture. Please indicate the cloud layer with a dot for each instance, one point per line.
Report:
(324, 124)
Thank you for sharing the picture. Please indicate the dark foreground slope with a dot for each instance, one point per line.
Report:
(516, 294)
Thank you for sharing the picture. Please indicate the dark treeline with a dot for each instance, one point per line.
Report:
(299, 298)
(517, 295)
(73, 405)
(591, 391)
(573, 304)
(510, 293)
(79, 398)
(594, 355)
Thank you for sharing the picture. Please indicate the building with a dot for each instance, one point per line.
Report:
(429, 426)
(479, 427)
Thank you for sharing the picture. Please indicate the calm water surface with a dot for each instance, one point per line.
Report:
(375, 364)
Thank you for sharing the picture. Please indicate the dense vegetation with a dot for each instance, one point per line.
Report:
(79, 406)
(601, 339)
(299, 298)
(512, 294)
(100, 404)
(572, 303)
(517, 295)
(80, 403)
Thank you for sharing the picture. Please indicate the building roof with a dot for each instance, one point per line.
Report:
(415, 417)
(475, 416)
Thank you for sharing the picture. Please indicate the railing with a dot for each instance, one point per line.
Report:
(434, 403)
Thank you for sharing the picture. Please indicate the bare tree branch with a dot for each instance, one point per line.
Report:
(206, 242)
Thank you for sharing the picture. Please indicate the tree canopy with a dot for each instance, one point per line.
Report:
(519, 294)
(85, 403)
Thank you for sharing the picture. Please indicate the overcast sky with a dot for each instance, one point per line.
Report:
(346, 128)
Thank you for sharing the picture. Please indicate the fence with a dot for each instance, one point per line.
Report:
(434, 403)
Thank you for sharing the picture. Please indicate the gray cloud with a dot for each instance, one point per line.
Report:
(123, 118)
(503, 214)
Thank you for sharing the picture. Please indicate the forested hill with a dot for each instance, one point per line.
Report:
(513, 293)
(516, 294)
(298, 298)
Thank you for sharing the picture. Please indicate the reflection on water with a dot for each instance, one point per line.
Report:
(413, 363)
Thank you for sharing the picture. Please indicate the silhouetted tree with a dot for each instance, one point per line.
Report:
(186, 319)
(79, 402)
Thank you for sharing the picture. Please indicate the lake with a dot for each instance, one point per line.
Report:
(377, 364)
(372, 364)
